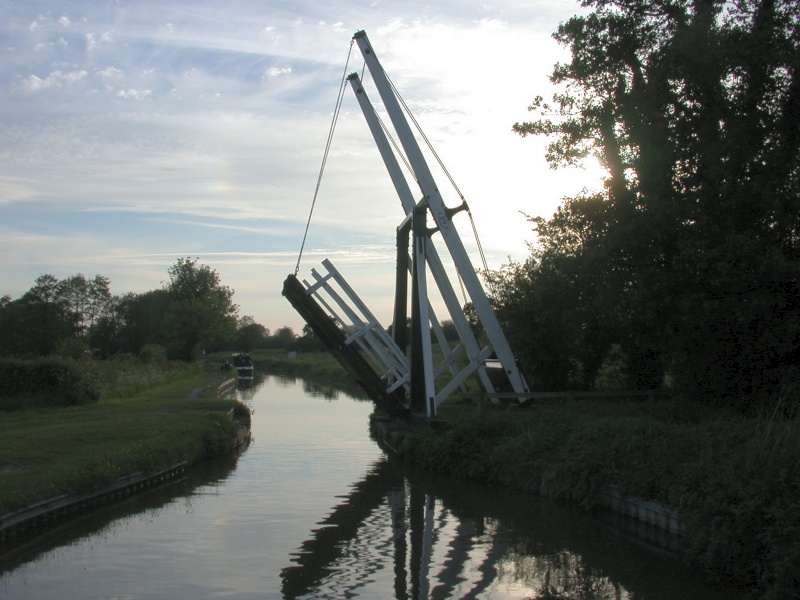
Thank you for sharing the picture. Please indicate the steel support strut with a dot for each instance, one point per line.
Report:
(423, 392)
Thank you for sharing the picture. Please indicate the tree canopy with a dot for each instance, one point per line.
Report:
(190, 312)
(201, 311)
(687, 261)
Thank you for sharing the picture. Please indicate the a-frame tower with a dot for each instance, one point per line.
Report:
(402, 382)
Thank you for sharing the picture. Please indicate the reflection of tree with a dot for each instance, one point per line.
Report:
(566, 576)
(320, 391)
(355, 541)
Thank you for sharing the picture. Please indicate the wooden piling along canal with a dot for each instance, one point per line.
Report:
(35, 519)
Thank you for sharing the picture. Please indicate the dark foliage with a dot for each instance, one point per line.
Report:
(192, 312)
(45, 382)
(687, 263)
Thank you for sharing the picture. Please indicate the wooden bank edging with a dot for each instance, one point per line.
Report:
(226, 386)
(44, 515)
(647, 512)
(38, 518)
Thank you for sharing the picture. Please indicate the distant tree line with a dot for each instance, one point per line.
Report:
(685, 268)
(77, 316)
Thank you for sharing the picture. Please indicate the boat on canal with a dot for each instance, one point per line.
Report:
(243, 365)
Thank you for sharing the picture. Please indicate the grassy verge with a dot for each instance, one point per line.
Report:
(143, 421)
(734, 479)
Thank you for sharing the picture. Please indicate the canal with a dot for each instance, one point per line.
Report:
(314, 509)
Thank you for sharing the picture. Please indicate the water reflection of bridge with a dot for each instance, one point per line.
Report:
(433, 544)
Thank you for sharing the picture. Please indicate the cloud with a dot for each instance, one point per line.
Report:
(277, 71)
(32, 83)
(132, 94)
(51, 45)
(134, 133)
(93, 42)
(110, 72)
(16, 189)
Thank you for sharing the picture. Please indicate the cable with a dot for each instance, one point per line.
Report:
(396, 146)
(398, 150)
(488, 280)
(325, 154)
(452, 181)
(424, 137)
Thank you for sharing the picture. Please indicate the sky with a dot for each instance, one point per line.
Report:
(134, 133)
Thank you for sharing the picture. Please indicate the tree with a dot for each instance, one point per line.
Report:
(109, 330)
(85, 301)
(284, 337)
(472, 319)
(308, 341)
(141, 319)
(691, 109)
(100, 300)
(44, 289)
(201, 311)
(449, 330)
(551, 305)
(192, 311)
(73, 293)
(249, 334)
(34, 324)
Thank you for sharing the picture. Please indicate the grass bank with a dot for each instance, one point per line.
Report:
(735, 480)
(142, 421)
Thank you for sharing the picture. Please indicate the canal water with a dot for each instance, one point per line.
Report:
(313, 509)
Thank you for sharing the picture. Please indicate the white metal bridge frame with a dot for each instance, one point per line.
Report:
(416, 374)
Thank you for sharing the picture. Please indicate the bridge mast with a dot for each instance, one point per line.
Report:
(352, 333)
(431, 197)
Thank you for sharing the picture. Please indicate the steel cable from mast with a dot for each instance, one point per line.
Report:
(334, 120)
(449, 177)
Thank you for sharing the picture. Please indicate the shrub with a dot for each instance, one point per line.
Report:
(45, 382)
(71, 348)
(153, 353)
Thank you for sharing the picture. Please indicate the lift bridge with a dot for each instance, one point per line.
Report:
(404, 381)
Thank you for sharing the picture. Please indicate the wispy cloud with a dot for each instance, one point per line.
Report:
(135, 133)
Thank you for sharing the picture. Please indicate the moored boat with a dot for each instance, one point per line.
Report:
(243, 365)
